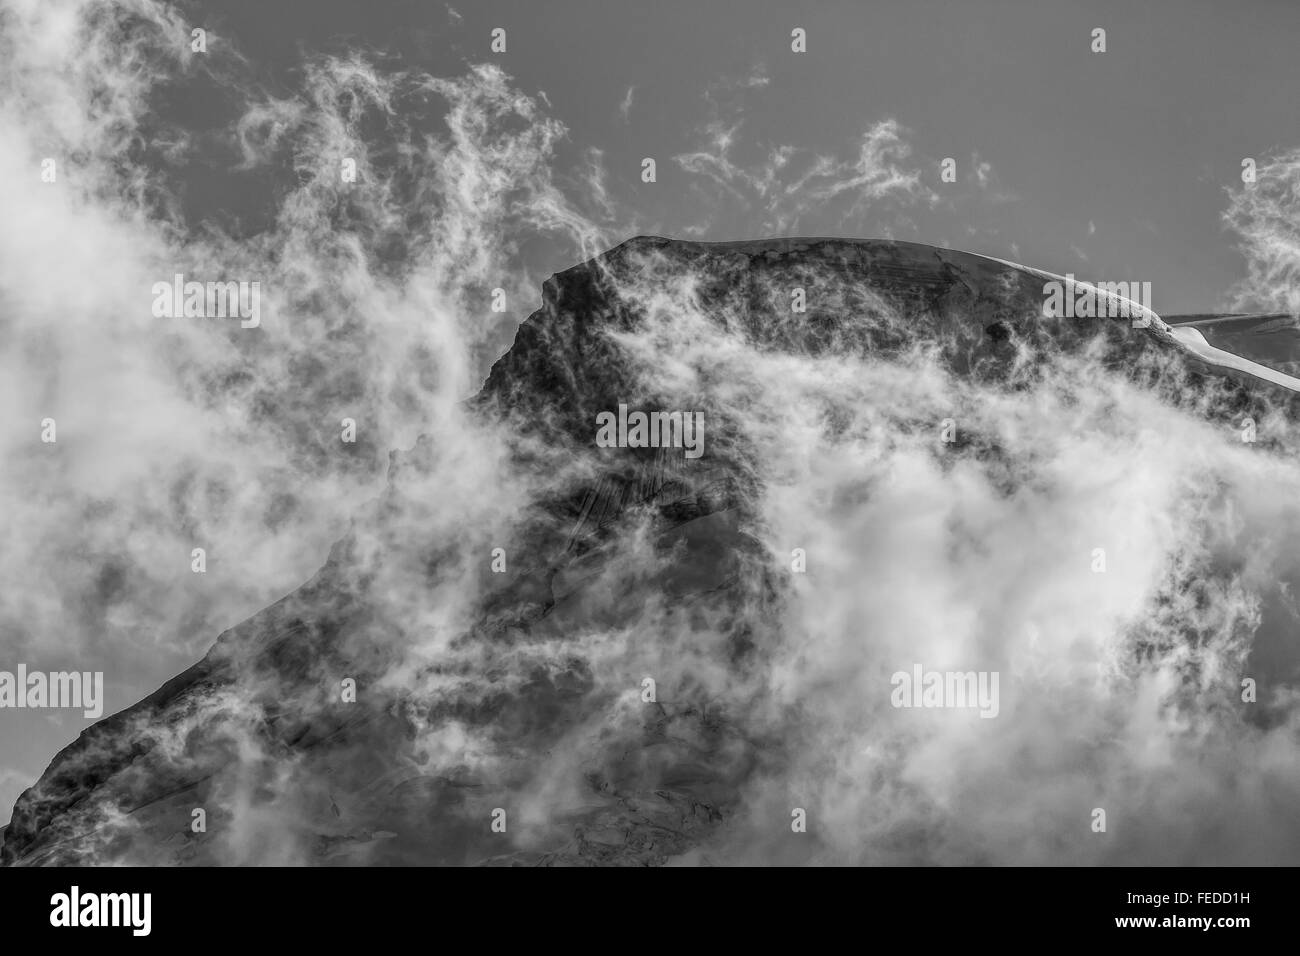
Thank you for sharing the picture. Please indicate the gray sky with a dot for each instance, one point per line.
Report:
(1109, 165)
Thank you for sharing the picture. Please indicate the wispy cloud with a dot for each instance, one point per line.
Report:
(174, 434)
(788, 182)
(1265, 218)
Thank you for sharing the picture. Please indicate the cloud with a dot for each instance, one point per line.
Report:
(180, 433)
(1265, 218)
(1120, 688)
(985, 179)
(791, 182)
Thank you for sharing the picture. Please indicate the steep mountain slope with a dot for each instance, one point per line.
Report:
(518, 694)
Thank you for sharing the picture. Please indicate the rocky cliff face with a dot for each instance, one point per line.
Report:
(514, 698)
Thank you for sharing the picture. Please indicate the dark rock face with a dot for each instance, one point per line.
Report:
(513, 707)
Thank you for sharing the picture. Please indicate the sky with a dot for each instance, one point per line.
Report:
(1123, 165)
(1109, 165)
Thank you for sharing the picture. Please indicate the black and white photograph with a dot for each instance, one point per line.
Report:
(743, 434)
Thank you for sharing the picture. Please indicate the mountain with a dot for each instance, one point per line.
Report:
(1271, 339)
(518, 695)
